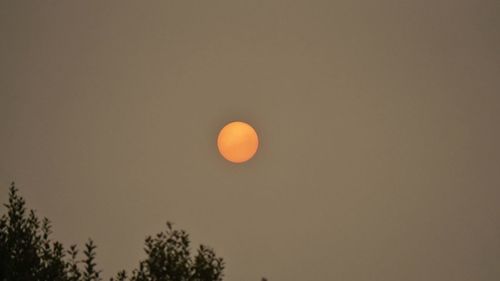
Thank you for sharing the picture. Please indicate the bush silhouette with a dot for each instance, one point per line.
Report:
(27, 253)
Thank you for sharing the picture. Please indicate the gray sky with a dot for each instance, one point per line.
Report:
(378, 122)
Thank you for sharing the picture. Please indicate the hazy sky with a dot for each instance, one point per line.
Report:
(378, 120)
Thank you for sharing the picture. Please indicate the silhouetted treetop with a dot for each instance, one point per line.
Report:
(27, 253)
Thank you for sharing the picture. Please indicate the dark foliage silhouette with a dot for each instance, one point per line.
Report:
(27, 253)
(169, 259)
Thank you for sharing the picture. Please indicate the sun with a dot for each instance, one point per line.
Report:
(238, 142)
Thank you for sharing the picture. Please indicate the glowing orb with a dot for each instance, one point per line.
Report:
(237, 142)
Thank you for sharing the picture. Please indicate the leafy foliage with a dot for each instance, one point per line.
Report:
(169, 259)
(27, 253)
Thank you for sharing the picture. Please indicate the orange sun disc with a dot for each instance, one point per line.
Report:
(237, 142)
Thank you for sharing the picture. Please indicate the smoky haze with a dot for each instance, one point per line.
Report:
(378, 122)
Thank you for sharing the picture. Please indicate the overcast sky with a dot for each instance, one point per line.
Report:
(379, 131)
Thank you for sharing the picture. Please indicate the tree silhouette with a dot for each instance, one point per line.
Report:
(27, 253)
(73, 271)
(169, 259)
(90, 273)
